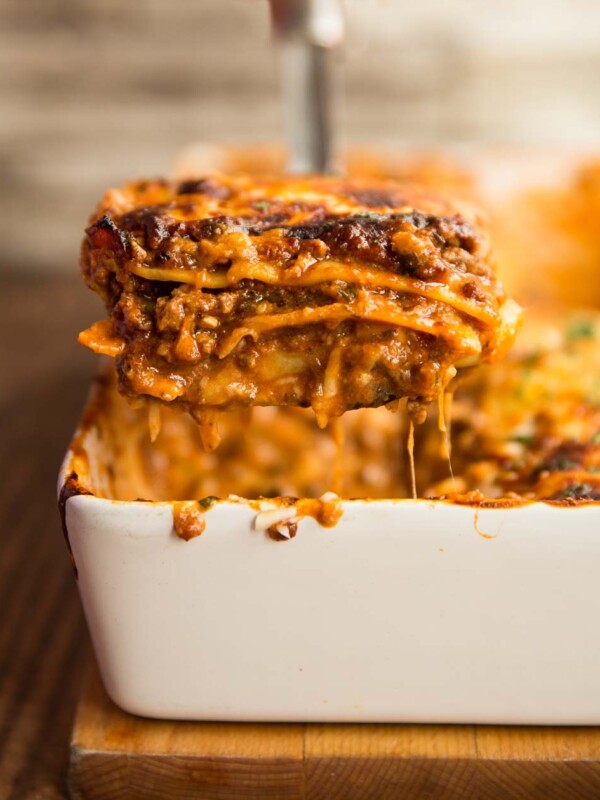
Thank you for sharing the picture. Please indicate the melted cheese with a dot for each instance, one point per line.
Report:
(321, 272)
(373, 308)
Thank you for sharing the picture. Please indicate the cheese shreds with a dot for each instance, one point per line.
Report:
(233, 291)
(154, 420)
(320, 273)
(208, 421)
(185, 266)
(410, 448)
(375, 309)
(100, 338)
(338, 435)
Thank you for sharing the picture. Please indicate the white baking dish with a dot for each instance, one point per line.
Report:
(405, 611)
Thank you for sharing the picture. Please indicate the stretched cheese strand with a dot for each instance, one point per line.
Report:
(154, 420)
(330, 388)
(410, 447)
(208, 421)
(338, 434)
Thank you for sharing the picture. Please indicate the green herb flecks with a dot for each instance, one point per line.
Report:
(557, 464)
(347, 291)
(580, 329)
(523, 438)
(207, 502)
(521, 386)
(593, 397)
(561, 464)
(576, 491)
(370, 215)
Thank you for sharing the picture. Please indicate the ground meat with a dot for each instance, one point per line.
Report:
(307, 291)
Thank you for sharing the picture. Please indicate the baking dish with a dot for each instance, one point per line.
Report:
(405, 611)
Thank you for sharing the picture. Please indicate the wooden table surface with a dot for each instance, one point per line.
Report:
(44, 375)
(43, 644)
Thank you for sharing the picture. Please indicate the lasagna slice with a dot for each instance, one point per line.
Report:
(237, 291)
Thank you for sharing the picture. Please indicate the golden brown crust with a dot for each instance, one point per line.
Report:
(308, 291)
(215, 222)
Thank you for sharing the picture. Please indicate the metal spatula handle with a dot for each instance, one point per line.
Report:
(309, 31)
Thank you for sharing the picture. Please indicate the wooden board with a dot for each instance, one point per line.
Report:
(115, 755)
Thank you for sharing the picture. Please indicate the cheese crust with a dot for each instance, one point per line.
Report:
(235, 291)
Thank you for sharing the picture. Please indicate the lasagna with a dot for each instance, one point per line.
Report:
(529, 428)
(524, 430)
(235, 291)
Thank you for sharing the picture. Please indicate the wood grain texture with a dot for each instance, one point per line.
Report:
(44, 377)
(116, 756)
(390, 761)
(524, 763)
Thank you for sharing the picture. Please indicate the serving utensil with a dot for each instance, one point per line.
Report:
(309, 32)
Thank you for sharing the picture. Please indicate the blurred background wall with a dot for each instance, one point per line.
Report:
(95, 91)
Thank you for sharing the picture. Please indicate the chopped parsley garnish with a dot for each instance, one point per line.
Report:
(594, 396)
(525, 380)
(581, 329)
(522, 438)
(596, 438)
(347, 291)
(207, 502)
(369, 215)
(262, 205)
(557, 464)
(561, 464)
(576, 491)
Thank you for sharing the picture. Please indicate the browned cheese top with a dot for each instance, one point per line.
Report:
(234, 291)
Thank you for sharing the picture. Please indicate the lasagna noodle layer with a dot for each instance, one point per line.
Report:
(238, 291)
(524, 430)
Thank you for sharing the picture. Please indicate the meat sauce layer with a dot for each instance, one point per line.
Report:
(240, 291)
